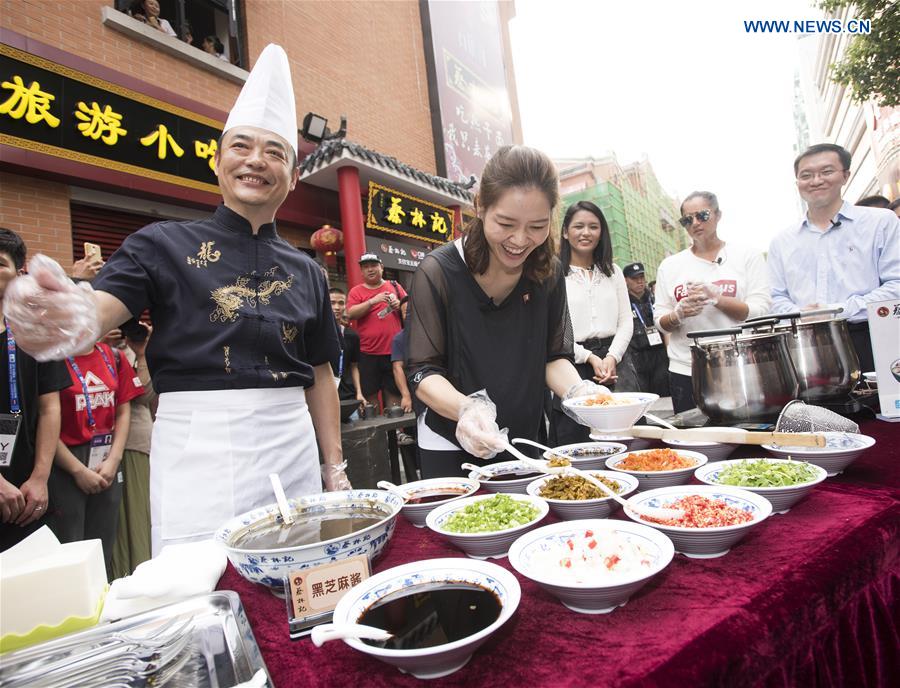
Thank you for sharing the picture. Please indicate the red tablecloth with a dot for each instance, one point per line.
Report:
(807, 598)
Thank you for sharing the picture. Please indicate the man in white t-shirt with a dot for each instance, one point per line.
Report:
(711, 285)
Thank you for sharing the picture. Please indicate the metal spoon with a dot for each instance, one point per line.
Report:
(393, 489)
(661, 513)
(324, 632)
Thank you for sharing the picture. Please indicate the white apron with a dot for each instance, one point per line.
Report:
(212, 452)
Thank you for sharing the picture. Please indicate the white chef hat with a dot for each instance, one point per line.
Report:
(267, 99)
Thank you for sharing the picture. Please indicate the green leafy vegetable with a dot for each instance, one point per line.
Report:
(500, 512)
(761, 473)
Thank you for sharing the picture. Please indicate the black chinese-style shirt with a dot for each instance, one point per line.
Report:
(230, 309)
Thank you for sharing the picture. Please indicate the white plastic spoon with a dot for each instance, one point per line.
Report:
(323, 633)
(281, 499)
(393, 489)
(659, 421)
(660, 513)
(476, 469)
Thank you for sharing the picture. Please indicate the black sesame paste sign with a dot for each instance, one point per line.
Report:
(399, 213)
(56, 110)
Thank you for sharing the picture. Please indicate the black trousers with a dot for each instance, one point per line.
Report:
(682, 387)
(862, 342)
(651, 366)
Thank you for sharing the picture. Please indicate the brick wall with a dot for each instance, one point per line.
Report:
(39, 212)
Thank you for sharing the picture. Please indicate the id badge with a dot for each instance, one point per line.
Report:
(654, 338)
(100, 446)
(9, 431)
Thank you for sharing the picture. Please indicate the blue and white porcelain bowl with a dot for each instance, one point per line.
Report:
(714, 451)
(840, 450)
(417, 513)
(631, 443)
(441, 660)
(601, 507)
(703, 543)
(587, 455)
(611, 419)
(529, 555)
(647, 480)
(506, 468)
(493, 545)
(269, 566)
(782, 498)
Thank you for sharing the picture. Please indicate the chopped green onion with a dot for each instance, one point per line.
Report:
(500, 512)
(762, 473)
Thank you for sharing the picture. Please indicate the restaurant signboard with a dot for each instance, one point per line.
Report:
(53, 109)
(396, 212)
(397, 255)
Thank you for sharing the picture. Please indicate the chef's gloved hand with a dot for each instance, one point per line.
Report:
(709, 292)
(50, 316)
(335, 477)
(689, 306)
(476, 430)
(582, 389)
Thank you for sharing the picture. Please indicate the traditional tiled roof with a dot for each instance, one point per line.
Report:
(331, 149)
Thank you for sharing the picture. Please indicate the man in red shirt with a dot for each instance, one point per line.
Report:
(375, 306)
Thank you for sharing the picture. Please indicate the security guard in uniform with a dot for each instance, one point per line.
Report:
(647, 349)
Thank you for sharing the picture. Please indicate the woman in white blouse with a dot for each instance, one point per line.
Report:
(599, 308)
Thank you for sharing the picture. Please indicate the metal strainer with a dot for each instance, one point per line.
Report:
(797, 416)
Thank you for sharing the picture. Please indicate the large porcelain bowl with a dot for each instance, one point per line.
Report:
(648, 480)
(841, 449)
(570, 509)
(782, 498)
(587, 455)
(529, 554)
(494, 545)
(441, 660)
(514, 486)
(703, 543)
(416, 513)
(610, 419)
(269, 567)
(631, 443)
(714, 451)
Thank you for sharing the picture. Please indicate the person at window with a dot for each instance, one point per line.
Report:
(375, 306)
(711, 285)
(213, 46)
(29, 403)
(147, 11)
(647, 349)
(96, 413)
(488, 323)
(600, 312)
(244, 337)
(838, 255)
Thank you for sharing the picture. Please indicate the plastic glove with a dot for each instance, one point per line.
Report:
(709, 292)
(50, 316)
(476, 430)
(335, 477)
(582, 389)
(688, 306)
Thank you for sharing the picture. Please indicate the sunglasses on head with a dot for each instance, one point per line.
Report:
(687, 220)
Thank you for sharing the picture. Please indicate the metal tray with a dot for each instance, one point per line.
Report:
(224, 652)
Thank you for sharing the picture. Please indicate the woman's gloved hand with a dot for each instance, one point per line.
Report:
(335, 477)
(582, 389)
(476, 429)
(50, 316)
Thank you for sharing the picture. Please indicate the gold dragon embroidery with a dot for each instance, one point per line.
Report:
(231, 298)
(288, 333)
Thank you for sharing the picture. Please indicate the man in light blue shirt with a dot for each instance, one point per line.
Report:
(839, 254)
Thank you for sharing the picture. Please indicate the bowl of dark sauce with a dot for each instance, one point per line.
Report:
(511, 477)
(439, 612)
(425, 495)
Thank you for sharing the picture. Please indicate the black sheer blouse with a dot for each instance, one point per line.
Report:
(457, 331)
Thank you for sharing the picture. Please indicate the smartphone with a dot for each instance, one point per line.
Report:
(133, 330)
(92, 250)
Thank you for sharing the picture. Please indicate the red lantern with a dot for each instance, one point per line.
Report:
(328, 241)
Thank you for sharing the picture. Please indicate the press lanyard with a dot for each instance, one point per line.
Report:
(14, 408)
(341, 359)
(637, 312)
(84, 388)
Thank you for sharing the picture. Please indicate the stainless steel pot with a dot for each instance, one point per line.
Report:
(821, 350)
(742, 376)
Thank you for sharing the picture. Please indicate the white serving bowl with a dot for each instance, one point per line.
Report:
(833, 457)
(713, 451)
(648, 480)
(416, 513)
(631, 443)
(703, 543)
(570, 509)
(600, 596)
(493, 545)
(441, 660)
(782, 498)
(269, 566)
(587, 455)
(611, 419)
(516, 486)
